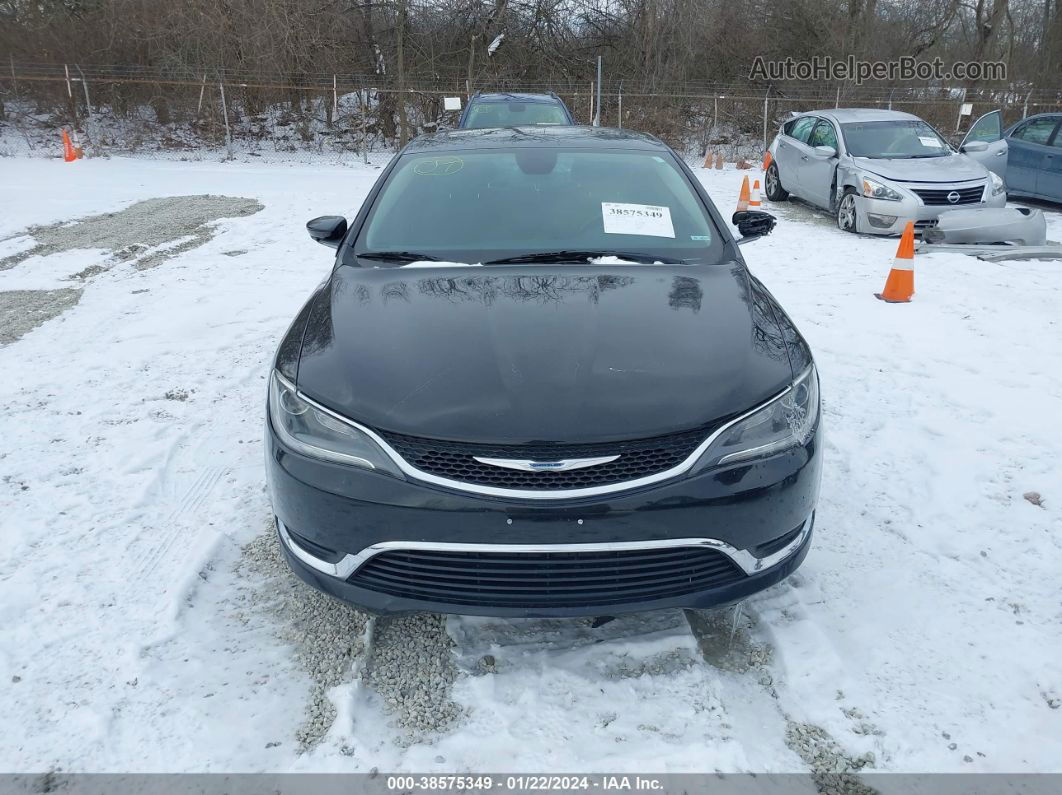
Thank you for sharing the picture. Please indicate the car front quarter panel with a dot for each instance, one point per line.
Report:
(288, 352)
(848, 176)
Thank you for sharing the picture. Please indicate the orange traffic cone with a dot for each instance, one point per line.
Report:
(754, 202)
(69, 155)
(719, 161)
(743, 197)
(77, 147)
(767, 160)
(899, 287)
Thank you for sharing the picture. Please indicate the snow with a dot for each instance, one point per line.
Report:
(927, 613)
(427, 263)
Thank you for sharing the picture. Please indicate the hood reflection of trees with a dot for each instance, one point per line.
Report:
(544, 289)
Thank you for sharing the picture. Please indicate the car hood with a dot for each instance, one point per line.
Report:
(953, 168)
(516, 354)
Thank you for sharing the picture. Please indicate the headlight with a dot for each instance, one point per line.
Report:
(315, 433)
(785, 422)
(998, 185)
(873, 189)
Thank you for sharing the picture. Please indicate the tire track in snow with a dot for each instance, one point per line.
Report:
(579, 694)
(773, 638)
(179, 530)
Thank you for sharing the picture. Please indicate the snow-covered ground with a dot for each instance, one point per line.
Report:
(145, 626)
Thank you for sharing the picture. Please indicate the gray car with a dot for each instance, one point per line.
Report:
(877, 169)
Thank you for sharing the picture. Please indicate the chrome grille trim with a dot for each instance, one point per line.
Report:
(529, 494)
(350, 563)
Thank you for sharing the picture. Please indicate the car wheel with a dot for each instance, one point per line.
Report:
(847, 212)
(773, 184)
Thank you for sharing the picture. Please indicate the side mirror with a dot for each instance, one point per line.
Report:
(825, 152)
(328, 229)
(753, 224)
(975, 146)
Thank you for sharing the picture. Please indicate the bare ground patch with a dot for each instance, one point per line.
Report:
(149, 231)
(328, 636)
(21, 311)
(406, 660)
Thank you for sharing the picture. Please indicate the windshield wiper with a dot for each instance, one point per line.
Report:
(568, 255)
(398, 256)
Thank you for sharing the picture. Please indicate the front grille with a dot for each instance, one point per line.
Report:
(638, 458)
(547, 579)
(940, 197)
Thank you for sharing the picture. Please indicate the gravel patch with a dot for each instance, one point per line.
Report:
(662, 664)
(141, 227)
(832, 770)
(89, 272)
(328, 635)
(724, 638)
(407, 660)
(21, 311)
(412, 668)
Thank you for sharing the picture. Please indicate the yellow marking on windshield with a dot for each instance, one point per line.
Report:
(438, 166)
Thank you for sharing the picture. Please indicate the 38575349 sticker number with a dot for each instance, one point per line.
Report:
(636, 219)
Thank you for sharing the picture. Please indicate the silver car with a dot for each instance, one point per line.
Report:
(877, 169)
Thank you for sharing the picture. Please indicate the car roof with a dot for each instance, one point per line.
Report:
(503, 96)
(538, 136)
(843, 115)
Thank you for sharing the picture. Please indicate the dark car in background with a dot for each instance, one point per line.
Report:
(514, 110)
(541, 381)
(1028, 154)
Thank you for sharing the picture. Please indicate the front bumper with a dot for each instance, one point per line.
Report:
(874, 213)
(334, 520)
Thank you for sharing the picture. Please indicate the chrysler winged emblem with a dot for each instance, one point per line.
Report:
(566, 465)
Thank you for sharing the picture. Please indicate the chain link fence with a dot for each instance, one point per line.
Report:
(347, 119)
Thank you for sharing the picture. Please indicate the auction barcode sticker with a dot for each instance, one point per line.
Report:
(637, 219)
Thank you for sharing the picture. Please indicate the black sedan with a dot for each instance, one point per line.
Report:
(541, 381)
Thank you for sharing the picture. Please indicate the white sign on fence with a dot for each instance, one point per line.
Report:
(451, 103)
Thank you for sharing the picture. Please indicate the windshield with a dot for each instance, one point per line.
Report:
(479, 206)
(893, 139)
(514, 114)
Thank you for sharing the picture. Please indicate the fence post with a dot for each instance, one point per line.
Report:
(202, 89)
(890, 97)
(837, 102)
(597, 118)
(364, 132)
(84, 85)
(958, 119)
(225, 114)
(591, 101)
(765, 100)
(335, 99)
(1025, 107)
(70, 96)
(619, 119)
